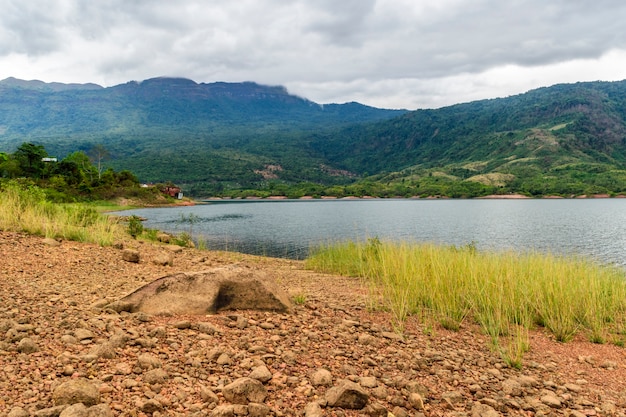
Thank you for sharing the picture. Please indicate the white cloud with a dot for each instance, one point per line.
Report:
(391, 53)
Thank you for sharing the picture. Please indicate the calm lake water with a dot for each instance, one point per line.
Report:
(590, 228)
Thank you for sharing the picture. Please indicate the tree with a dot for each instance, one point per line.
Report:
(97, 154)
(30, 158)
(83, 162)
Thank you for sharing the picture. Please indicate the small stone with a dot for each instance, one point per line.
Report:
(74, 391)
(164, 259)
(83, 334)
(151, 406)
(155, 376)
(551, 401)
(573, 387)
(224, 359)
(51, 242)
(50, 412)
(484, 410)
(313, 410)
(18, 412)
(416, 401)
(244, 391)
(100, 410)
(130, 255)
(376, 410)
(208, 396)
(75, 410)
(223, 411)
(368, 382)
(399, 412)
(27, 345)
(512, 387)
(321, 377)
(347, 394)
(147, 361)
(261, 373)
(258, 410)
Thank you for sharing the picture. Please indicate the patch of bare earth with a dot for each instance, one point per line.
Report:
(183, 365)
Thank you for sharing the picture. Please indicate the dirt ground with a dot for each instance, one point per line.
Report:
(54, 327)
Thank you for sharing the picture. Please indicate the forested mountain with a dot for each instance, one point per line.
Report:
(210, 136)
(567, 139)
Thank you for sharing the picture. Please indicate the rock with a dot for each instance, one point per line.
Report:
(313, 410)
(164, 259)
(416, 401)
(75, 391)
(50, 412)
(155, 376)
(147, 361)
(321, 377)
(151, 406)
(27, 345)
(18, 412)
(51, 242)
(105, 351)
(245, 390)
(261, 373)
(208, 396)
(164, 237)
(223, 411)
(100, 410)
(399, 412)
(258, 410)
(376, 410)
(347, 395)
(225, 288)
(368, 382)
(512, 387)
(75, 410)
(83, 334)
(484, 410)
(453, 398)
(130, 255)
(551, 400)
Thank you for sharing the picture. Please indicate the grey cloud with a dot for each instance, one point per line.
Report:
(29, 27)
(356, 47)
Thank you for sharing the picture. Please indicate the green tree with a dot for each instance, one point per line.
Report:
(84, 164)
(30, 158)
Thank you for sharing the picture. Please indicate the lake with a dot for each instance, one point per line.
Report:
(593, 228)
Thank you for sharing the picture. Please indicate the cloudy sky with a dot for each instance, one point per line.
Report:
(385, 53)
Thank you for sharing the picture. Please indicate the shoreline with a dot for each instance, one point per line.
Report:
(54, 293)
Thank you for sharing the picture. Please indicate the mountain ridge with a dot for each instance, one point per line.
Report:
(222, 136)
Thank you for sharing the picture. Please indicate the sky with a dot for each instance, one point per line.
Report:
(385, 53)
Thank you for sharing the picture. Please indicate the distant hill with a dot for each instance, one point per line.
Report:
(568, 139)
(565, 139)
(178, 130)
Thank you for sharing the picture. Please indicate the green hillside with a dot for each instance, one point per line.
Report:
(245, 138)
(206, 137)
(565, 139)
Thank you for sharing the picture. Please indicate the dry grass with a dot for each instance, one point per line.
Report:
(505, 293)
(24, 209)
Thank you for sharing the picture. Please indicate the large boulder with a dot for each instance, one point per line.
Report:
(224, 288)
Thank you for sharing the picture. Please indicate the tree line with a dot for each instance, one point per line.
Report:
(77, 177)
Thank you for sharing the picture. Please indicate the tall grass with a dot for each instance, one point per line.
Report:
(505, 293)
(25, 209)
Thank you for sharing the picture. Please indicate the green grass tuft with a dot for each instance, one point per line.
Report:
(505, 293)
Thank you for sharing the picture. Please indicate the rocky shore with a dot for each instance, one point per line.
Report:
(62, 352)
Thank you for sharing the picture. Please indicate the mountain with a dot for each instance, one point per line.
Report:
(565, 139)
(568, 139)
(174, 129)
